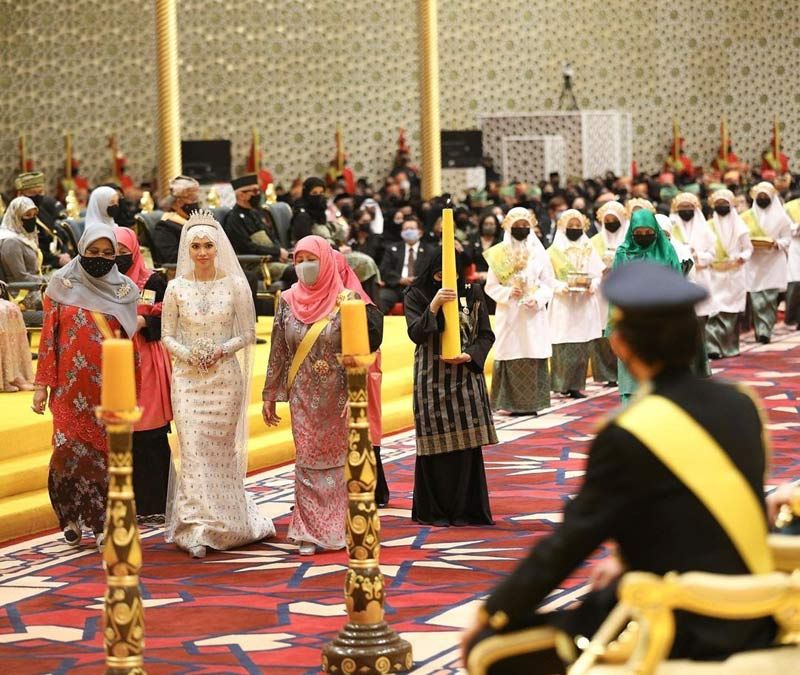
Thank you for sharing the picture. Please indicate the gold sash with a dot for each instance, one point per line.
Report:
(721, 254)
(306, 344)
(793, 209)
(696, 459)
(749, 218)
(102, 325)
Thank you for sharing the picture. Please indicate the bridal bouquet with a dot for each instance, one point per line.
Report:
(202, 351)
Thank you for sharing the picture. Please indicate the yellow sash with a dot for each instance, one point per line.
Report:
(102, 325)
(719, 249)
(749, 218)
(696, 459)
(599, 243)
(793, 209)
(306, 344)
(678, 233)
(561, 264)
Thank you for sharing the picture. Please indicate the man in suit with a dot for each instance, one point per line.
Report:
(664, 510)
(400, 261)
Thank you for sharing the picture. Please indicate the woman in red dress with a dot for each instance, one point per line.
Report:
(69, 366)
(151, 456)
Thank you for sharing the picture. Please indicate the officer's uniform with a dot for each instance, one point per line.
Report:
(630, 496)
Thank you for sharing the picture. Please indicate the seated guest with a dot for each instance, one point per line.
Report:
(20, 258)
(310, 216)
(49, 232)
(184, 198)
(250, 228)
(665, 500)
(16, 365)
(400, 261)
(362, 240)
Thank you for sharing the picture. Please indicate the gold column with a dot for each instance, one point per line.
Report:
(366, 645)
(169, 118)
(123, 614)
(429, 99)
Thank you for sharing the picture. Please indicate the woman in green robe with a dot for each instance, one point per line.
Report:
(645, 240)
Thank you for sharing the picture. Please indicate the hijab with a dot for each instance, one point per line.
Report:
(350, 278)
(112, 294)
(659, 251)
(97, 209)
(560, 240)
(432, 264)
(138, 270)
(774, 216)
(312, 303)
(319, 215)
(12, 223)
(614, 208)
(730, 227)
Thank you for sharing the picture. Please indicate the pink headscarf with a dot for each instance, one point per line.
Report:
(350, 278)
(138, 271)
(311, 303)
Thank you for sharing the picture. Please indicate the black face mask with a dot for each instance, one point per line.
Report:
(573, 234)
(190, 207)
(346, 210)
(763, 202)
(316, 202)
(488, 231)
(37, 199)
(686, 215)
(733, 187)
(255, 200)
(124, 262)
(612, 225)
(723, 209)
(365, 227)
(97, 267)
(29, 224)
(520, 233)
(113, 210)
(644, 240)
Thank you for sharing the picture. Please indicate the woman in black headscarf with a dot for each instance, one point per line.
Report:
(452, 415)
(310, 213)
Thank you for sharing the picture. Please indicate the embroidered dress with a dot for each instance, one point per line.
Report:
(209, 505)
(15, 355)
(318, 400)
(69, 363)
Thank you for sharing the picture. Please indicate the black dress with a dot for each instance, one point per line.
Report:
(452, 414)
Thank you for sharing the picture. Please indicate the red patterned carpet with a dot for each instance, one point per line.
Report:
(265, 609)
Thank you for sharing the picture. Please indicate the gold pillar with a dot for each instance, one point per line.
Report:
(123, 614)
(366, 645)
(169, 118)
(429, 99)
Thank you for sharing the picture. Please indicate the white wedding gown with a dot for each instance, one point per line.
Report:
(208, 503)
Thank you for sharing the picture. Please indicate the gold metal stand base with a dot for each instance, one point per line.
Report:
(372, 649)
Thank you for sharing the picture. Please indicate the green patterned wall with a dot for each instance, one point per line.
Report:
(294, 68)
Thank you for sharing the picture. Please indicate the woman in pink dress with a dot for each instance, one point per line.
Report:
(151, 457)
(306, 373)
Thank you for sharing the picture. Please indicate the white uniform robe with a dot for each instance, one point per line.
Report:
(729, 287)
(523, 332)
(768, 268)
(701, 242)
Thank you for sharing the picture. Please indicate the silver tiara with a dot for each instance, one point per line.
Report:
(202, 217)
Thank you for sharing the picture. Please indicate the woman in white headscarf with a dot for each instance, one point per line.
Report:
(208, 325)
(520, 280)
(103, 207)
(693, 240)
(20, 257)
(612, 226)
(574, 311)
(84, 297)
(767, 270)
(732, 249)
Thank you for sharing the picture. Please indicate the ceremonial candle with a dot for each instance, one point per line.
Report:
(119, 382)
(355, 339)
(451, 338)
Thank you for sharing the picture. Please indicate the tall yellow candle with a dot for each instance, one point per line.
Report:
(119, 381)
(451, 338)
(355, 339)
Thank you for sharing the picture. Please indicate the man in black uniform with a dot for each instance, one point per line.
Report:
(675, 480)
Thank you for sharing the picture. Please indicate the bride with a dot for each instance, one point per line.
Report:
(208, 325)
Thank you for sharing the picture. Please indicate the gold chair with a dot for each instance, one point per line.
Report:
(650, 600)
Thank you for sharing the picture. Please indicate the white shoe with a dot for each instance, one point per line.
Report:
(73, 534)
(308, 548)
(99, 540)
(197, 552)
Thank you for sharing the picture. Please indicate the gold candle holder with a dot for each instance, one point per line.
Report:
(366, 645)
(123, 614)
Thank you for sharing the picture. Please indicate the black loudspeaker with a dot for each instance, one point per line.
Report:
(462, 148)
(207, 161)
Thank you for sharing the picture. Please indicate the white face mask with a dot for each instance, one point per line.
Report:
(410, 236)
(307, 271)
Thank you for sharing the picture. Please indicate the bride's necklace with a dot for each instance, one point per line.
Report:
(205, 303)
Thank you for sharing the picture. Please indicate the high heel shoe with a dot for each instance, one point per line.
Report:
(197, 552)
